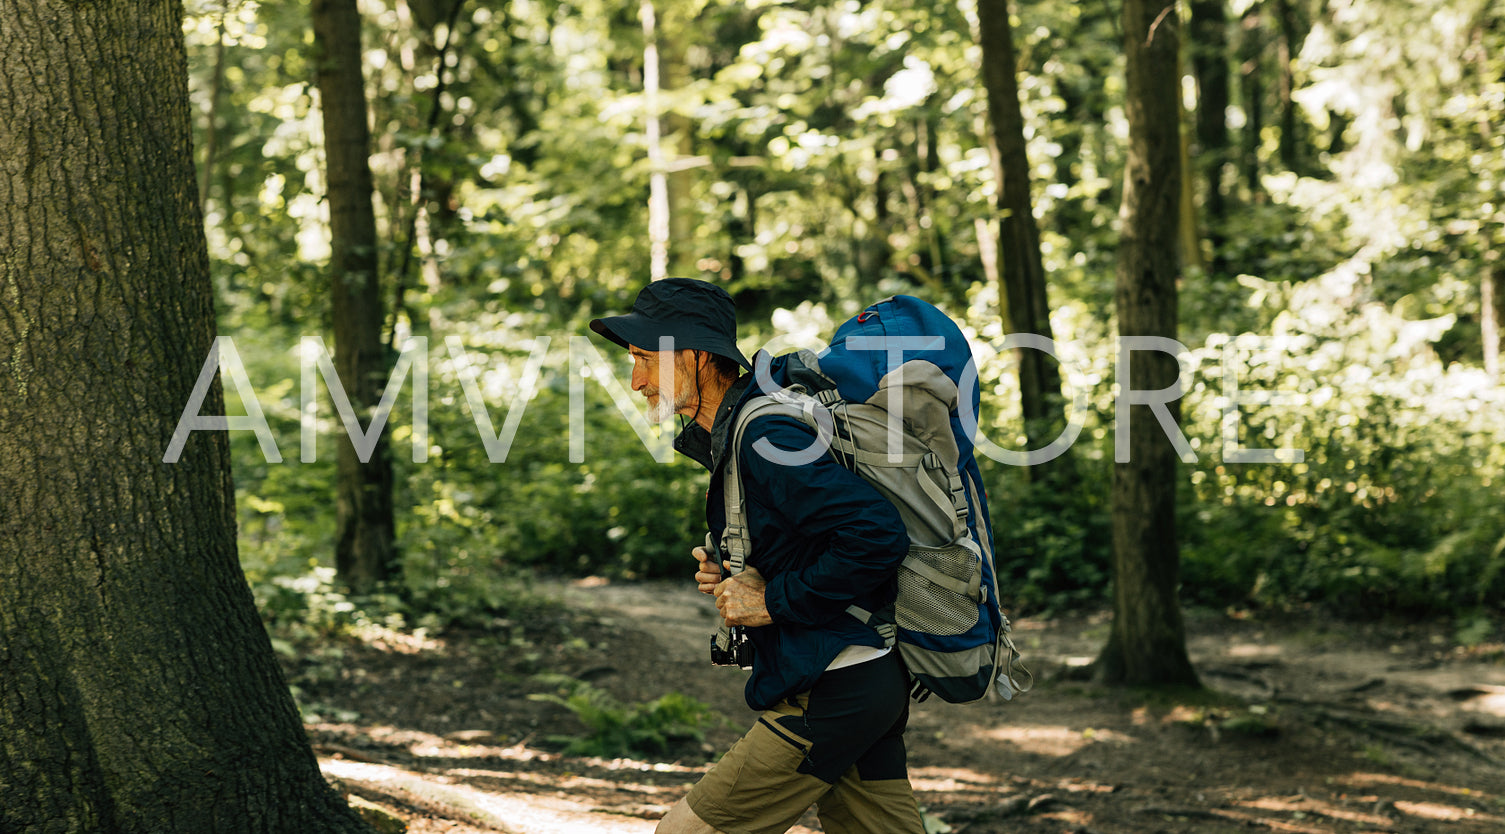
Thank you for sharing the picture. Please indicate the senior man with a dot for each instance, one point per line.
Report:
(833, 700)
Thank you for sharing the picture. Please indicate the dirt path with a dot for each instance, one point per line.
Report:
(1309, 727)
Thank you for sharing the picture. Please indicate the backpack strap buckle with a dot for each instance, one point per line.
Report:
(734, 547)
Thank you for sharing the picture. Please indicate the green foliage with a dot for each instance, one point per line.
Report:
(831, 154)
(1392, 508)
(1051, 546)
(617, 730)
(470, 526)
(618, 512)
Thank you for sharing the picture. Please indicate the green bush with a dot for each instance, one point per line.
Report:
(1395, 506)
(1051, 546)
(617, 730)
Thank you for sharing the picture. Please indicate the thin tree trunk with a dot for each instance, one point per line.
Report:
(741, 227)
(1492, 310)
(1252, 93)
(1291, 35)
(435, 128)
(1189, 225)
(211, 119)
(933, 231)
(139, 692)
(1209, 60)
(672, 40)
(658, 182)
(1492, 288)
(1085, 110)
(1147, 644)
(681, 197)
(365, 538)
(1022, 289)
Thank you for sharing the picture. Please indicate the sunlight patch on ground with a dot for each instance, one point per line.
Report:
(1486, 699)
(1253, 650)
(1179, 714)
(459, 746)
(436, 747)
(949, 779)
(384, 639)
(1307, 805)
(1366, 780)
(1054, 741)
(1069, 819)
(1253, 820)
(558, 782)
(507, 812)
(1438, 811)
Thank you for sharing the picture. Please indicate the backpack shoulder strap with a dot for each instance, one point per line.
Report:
(736, 541)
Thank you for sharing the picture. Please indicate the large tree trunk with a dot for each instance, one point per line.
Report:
(365, 538)
(1147, 645)
(1022, 290)
(139, 691)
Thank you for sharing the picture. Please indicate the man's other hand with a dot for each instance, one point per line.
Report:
(707, 576)
(740, 599)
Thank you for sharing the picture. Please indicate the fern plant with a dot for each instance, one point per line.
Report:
(618, 730)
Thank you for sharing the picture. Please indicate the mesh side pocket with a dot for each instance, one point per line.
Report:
(928, 607)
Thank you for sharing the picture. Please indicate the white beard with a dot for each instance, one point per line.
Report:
(665, 407)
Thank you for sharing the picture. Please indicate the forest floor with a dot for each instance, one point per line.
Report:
(1308, 725)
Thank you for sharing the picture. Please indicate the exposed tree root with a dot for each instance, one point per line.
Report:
(1231, 816)
(1420, 737)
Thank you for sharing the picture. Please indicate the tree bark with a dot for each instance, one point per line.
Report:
(365, 536)
(1147, 644)
(1209, 61)
(140, 692)
(1022, 287)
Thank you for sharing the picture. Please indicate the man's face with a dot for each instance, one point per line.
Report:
(650, 369)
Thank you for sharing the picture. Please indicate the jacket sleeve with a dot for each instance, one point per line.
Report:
(861, 537)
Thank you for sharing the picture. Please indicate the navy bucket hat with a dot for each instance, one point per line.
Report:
(699, 315)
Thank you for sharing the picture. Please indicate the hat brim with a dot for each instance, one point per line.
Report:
(642, 332)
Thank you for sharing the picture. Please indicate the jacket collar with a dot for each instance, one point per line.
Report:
(708, 447)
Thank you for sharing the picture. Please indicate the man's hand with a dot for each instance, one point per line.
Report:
(740, 599)
(707, 576)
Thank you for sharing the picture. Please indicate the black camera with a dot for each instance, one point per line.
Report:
(730, 646)
(738, 650)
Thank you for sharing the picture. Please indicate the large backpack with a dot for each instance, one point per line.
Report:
(884, 399)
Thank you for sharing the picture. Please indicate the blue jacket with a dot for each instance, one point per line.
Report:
(822, 537)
